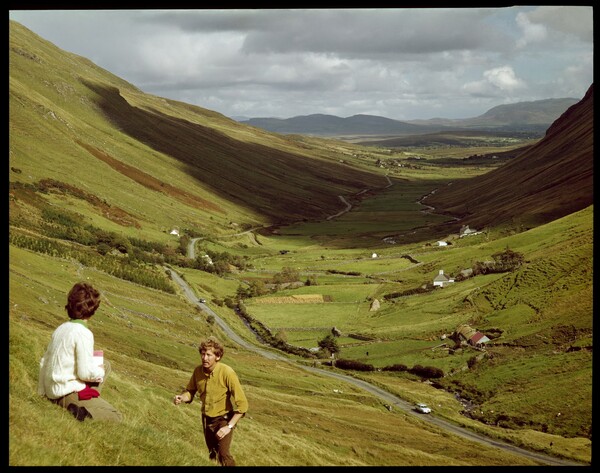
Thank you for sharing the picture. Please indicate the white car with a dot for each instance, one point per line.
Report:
(202, 301)
(422, 408)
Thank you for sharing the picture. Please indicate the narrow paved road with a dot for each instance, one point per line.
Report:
(382, 394)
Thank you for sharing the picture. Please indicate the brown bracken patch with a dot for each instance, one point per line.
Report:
(110, 212)
(151, 182)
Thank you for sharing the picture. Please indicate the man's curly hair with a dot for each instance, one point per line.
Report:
(211, 342)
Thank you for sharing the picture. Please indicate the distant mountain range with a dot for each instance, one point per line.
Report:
(522, 116)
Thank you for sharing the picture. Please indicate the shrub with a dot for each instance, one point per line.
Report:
(427, 371)
(353, 365)
(409, 292)
(330, 344)
(472, 362)
(508, 260)
(396, 367)
(287, 274)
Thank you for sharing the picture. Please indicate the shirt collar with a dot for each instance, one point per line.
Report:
(79, 321)
(209, 374)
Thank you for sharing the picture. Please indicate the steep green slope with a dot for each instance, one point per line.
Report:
(78, 124)
(101, 172)
(549, 180)
(151, 340)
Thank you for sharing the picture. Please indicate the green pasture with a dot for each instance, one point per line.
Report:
(306, 338)
(411, 351)
(344, 315)
(519, 385)
(395, 209)
(368, 265)
(342, 292)
(360, 264)
(151, 341)
(207, 285)
(431, 172)
(240, 245)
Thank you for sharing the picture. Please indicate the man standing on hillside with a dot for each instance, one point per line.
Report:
(69, 375)
(223, 400)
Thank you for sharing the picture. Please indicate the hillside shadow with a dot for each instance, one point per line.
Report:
(549, 180)
(282, 186)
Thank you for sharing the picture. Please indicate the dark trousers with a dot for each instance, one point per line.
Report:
(218, 449)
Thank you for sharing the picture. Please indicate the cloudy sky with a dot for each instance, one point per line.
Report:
(401, 63)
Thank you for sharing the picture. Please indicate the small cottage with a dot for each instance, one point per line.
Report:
(466, 231)
(478, 339)
(442, 280)
(466, 334)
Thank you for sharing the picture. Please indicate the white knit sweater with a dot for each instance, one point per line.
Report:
(68, 361)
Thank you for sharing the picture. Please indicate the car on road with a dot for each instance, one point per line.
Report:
(202, 301)
(422, 408)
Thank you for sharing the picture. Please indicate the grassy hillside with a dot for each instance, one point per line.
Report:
(76, 123)
(542, 312)
(151, 340)
(549, 180)
(151, 336)
(99, 175)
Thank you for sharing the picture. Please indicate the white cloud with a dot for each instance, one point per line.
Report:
(401, 63)
(532, 32)
(503, 78)
(497, 82)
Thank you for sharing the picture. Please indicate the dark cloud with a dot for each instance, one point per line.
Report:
(401, 62)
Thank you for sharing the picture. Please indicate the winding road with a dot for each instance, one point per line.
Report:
(389, 398)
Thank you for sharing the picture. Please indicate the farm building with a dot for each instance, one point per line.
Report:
(466, 231)
(466, 334)
(478, 339)
(442, 280)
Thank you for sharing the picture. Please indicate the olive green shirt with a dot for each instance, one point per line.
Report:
(220, 391)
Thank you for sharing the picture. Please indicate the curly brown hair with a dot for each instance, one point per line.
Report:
(211, 342)
(83, 301)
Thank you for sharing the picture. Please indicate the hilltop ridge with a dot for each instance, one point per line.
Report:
(549, 180)
(171, 150)
(533, 116)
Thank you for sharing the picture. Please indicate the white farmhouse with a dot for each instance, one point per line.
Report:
(442, 280)
(466, 231)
